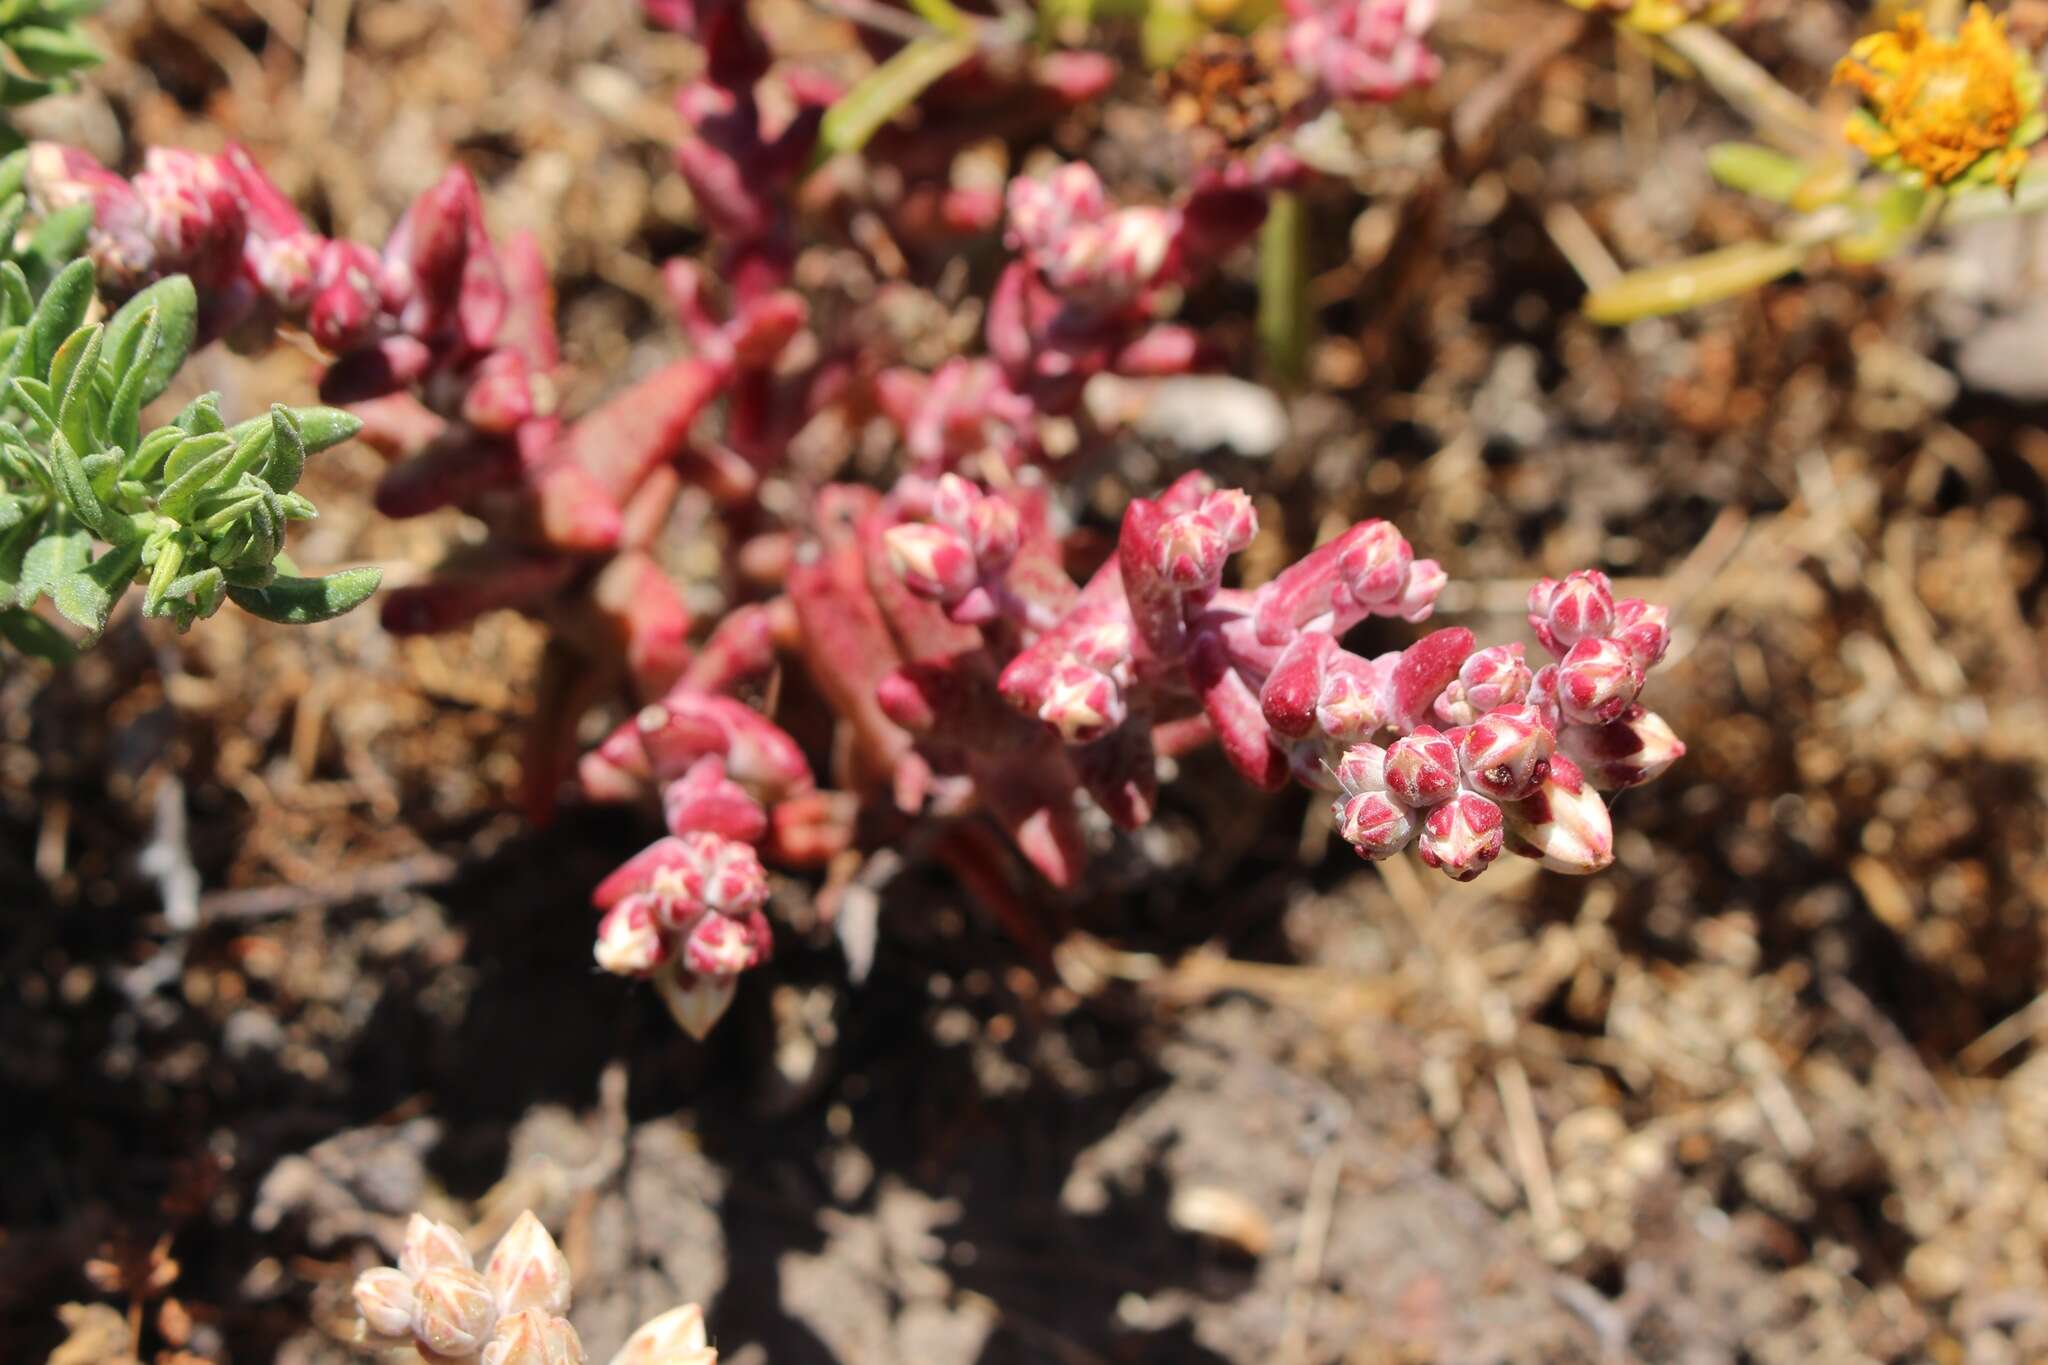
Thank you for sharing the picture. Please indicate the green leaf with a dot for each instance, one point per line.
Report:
(72, 372)
(303, 601)
(176, 306)
(87, 598)
(184, 489)
(34, 636)
(23, 90)
(36, 401)
(58, 315)
(150, 453)
(20, 303)
(1694, 282)
(14, 547)
(124, 411)
(1757, 169)
(57, 239)
(59, 553)
(170, 560)
(76, 486)
(193, 449)
(13, 171)
(888, 90)
(252, 450)
(201, 415)
(320, 428)
(52, 51)
(287, 450)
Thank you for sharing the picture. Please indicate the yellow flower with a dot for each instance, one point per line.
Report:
(1943, 110)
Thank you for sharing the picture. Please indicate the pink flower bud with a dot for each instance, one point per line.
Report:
(1422, 768)
(734, 882)
(1362, 49)
(1231, 512)
(1491, 678)
(1043, 211)
(1564, 825)
(534, 1336)
(1375, 563)
(675, 1338)
(1597, 680)
(629, 937)
(527, 1270)
(994, 530)
(1565, 612)
(1362, 769)
(1136, 243)
(1426, 579)
(954, 500)
(1506, 752)
(1189, 552)
(1543, 696)
(1349, 708)
(720, 945)
(1644, 630)
(429, 1244)
(933, 561)
(384, 1298)
(1462, 836)
(1105, 646)
(1082, 703)
(1375, 824)
(452, 1312)
(1628, 752)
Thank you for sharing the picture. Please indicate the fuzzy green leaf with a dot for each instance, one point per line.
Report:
(58, 315)
(176, 306)
(87, 598)
(287, 450)
(888, 90)
(303, 601)
(34, 636)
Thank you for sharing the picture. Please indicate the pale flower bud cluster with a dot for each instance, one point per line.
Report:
(957, 557)
(436, 1297)
(1101, 257)
(1362, 49)
(513, 1312)
(1522, 754)
(1445, 789)
(688, 912)
(1605, 649)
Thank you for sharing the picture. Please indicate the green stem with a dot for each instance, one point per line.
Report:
(1285, 322)
(1779, 115)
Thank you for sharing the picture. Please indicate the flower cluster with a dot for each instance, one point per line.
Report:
(1945, 110)
(1363, 49)
(970, 680)
(510, 1313)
